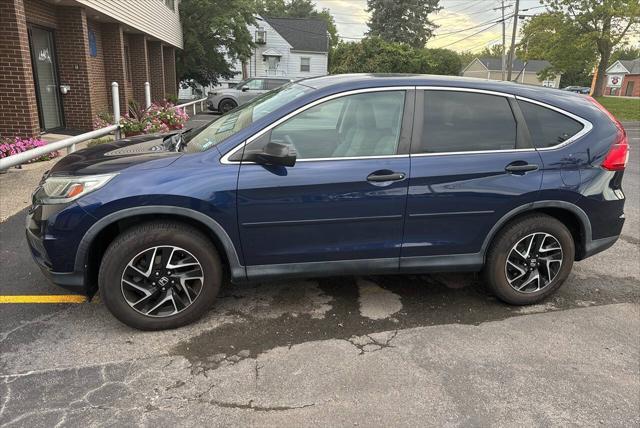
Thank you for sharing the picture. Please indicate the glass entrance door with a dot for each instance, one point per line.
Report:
(45, 77)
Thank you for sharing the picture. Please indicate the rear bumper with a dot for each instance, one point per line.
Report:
(598, 245)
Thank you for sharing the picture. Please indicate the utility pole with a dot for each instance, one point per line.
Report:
(512, 48)
(503, 39)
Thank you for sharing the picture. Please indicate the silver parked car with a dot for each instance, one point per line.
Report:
(223, 100)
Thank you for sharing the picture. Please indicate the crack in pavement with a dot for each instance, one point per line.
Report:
(371, 345)
(42, 318)
(251, 406)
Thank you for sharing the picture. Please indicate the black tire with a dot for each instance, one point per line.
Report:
(226, 106)
(495, 271)
(136, 241)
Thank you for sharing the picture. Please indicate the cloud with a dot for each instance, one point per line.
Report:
(351, 20)
(461, 25)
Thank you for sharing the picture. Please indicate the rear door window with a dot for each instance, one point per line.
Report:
(547, 127)
(456, 121)
(274, 83)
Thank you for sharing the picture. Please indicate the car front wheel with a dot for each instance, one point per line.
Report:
(529, 259)
(227, 105)
(159, 276)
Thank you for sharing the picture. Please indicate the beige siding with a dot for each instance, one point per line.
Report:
(484, 74)
(149, 16)
(476, 67)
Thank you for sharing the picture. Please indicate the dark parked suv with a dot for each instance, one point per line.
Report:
(338, 175)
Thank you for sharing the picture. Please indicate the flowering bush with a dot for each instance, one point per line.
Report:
(102, 120)
(17, 145)
(160, 117)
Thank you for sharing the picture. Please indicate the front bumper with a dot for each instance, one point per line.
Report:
(52, 233)
(72, 281)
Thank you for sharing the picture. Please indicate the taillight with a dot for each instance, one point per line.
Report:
(616, 159)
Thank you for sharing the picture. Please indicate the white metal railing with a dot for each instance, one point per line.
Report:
(70, 143)
(67, 143)
(275, 73)
(193, 103)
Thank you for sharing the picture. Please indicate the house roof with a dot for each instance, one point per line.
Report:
(533, 66)
(632, 65)
(303, 34)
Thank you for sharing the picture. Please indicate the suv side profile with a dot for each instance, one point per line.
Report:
(225, 100)
(354, 174)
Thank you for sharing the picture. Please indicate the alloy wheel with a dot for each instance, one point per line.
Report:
(162, 281)
(534, 262)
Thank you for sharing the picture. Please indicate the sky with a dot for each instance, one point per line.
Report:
(456, 16)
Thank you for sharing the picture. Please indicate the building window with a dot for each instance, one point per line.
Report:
(171, 4)
(93, 44)
(305, 64)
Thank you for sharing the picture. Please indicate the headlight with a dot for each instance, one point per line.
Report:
(60, 190)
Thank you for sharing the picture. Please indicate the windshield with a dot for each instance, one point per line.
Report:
(243, 116)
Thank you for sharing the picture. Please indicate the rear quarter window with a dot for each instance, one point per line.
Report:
(548, 127)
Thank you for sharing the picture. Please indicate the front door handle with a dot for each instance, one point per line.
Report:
(385, 175)
(520, 167)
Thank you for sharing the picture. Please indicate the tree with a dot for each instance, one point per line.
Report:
(624, 52)
(215, 34)
(494, 51)
(603, 23)
(402, 21)
(375, 55)
(298, 9)
(551, 36)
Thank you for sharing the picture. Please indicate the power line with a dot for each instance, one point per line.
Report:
(471, 35)
(496, 20)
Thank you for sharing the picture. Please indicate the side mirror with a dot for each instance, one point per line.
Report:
(274, 153)
(245, 89)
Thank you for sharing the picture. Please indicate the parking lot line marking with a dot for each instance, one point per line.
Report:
(56, 298)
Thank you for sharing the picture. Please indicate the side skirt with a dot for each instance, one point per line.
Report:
(388, 266)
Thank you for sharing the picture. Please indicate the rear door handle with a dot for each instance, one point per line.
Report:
(379, 176)
(520, 167)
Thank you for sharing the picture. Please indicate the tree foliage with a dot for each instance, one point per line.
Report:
(215, 34)
(402, 21)
(624, 52)
(576, 34)
(298, 9)
(375, 55)
(552, 37)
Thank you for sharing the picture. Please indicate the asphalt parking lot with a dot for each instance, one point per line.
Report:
(349, 351)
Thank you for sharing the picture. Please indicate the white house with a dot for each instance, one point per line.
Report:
(294, 48)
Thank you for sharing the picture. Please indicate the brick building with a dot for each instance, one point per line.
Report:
(59, 57)
(623, 78)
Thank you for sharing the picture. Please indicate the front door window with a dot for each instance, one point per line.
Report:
(45, 77)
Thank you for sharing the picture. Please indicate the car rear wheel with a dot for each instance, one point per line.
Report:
(529, 259)
(159, 276)
(227, 105)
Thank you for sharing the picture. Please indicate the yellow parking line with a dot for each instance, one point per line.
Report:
(57, 298)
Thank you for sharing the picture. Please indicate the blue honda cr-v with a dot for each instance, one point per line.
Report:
(338, 175)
